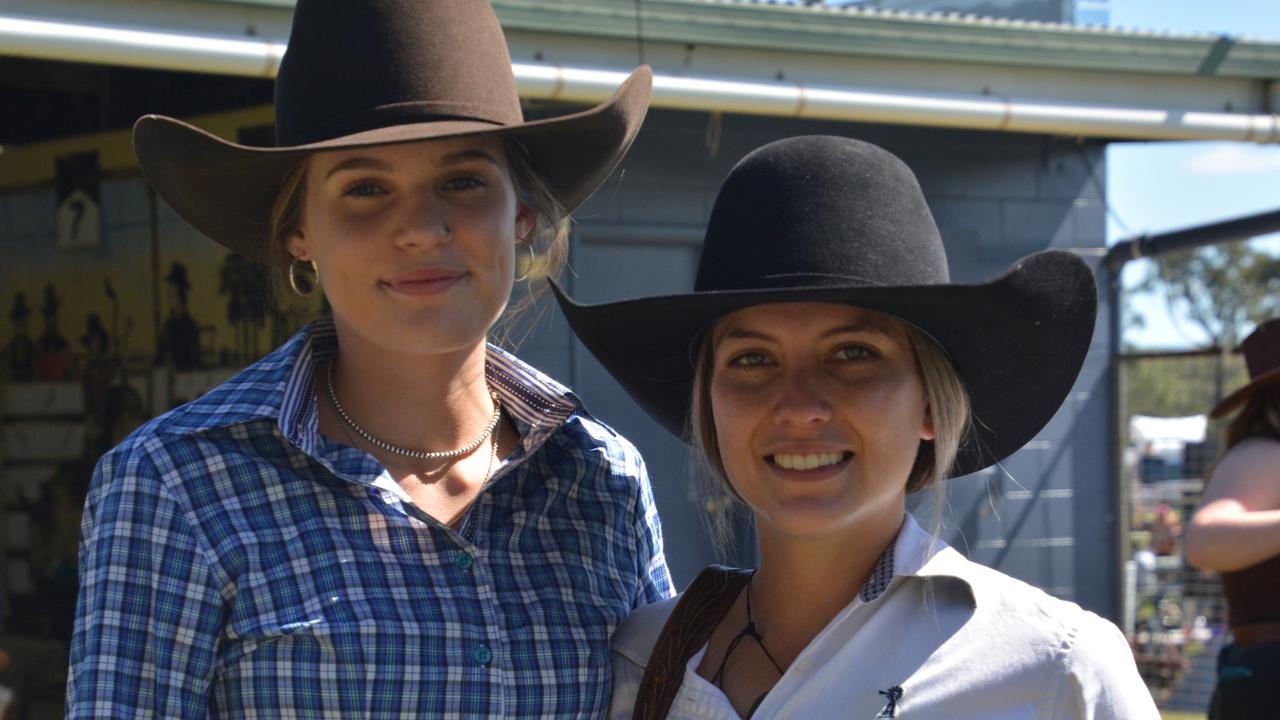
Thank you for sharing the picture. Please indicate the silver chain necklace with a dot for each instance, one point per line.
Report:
(415, 454)
(493, 449)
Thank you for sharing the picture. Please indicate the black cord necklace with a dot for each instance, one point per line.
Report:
(748, 631)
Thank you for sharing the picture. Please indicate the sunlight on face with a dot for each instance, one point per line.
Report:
(819, 411)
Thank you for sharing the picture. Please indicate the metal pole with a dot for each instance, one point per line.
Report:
(1120, 497)
(51, 39)
(157, 323)
(1241, 228)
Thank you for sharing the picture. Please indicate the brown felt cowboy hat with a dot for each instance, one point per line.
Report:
(1262, 356)
(836, 220)
(359, 73)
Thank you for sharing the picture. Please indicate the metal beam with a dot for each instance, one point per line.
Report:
(1241, 228)
(259, 57)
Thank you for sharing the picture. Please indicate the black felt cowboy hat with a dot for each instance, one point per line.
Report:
(359, 73)
(828, 219)
(1262, 357)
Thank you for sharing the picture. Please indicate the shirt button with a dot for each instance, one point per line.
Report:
(802, 665)
(482, 655)
(463, 561)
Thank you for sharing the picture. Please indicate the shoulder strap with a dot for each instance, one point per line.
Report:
(703, 605)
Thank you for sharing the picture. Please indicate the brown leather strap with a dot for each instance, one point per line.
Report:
(700, 609)
(1256, 633)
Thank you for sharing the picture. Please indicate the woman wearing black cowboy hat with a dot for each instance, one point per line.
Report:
(1236, 532)
(385, 517)
(826, 368)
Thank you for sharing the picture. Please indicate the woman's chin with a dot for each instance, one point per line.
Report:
(815, 517)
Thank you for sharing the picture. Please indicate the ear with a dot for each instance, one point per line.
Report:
(296, 245)
(526, 221)
(926, 427)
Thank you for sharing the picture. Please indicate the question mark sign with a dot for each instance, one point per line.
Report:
(77, 206)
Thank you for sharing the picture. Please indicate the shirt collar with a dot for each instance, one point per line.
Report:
(916, 553)
(881, 576)
(280, 387)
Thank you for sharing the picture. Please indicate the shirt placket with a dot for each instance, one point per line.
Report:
(482, 647)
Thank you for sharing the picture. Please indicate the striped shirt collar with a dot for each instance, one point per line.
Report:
(913, 553)
(880, 576)
(280, 387)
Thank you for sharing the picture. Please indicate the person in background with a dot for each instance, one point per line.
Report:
(1236, 531)
(1167, 531)
(826, 368)
(386, 517)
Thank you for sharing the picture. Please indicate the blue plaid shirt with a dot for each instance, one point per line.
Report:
(236, 563)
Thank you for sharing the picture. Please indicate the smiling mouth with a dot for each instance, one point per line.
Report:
(809, 461)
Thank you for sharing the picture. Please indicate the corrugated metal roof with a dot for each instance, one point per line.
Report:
(987, 20)
(897, 34)
(856, 30)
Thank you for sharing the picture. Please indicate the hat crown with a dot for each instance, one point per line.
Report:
(820, 211)
(1262, 348)
(358, 65)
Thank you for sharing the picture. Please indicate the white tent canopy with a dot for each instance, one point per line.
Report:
(1166, 436)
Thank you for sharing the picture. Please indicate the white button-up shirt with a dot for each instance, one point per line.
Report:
(959, 640)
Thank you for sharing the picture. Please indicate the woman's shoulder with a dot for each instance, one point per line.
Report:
(258, 391)
(1020, 633)
(635, 638)
(1028, 621)
(1256, 456)
(584, 435)
(1084, 657)
(1027, 614)
(1248, 478)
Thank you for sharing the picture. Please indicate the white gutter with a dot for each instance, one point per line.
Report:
(260, 58)
(50, 40)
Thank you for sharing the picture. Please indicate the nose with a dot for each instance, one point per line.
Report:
(423, 224)
(801, 400)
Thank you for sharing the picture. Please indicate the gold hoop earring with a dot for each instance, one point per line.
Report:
(309, 283)
(528, 268)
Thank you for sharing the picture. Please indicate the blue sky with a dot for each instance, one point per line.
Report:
(1152, 187)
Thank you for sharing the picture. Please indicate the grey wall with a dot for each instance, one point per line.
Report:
(1047, 515)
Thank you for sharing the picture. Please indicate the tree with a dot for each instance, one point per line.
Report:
(1176, 385)
(1223, 289)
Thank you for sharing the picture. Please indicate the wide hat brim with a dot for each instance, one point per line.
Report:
(226, 190)
(1238, 398)
(1017, 342)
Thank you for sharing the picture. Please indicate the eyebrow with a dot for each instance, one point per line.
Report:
(466, 155)
(868, 326)
(358, 163)
(370, 163)
(847, 329)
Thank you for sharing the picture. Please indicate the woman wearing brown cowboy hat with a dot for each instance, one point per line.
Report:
(1236, 532)
(826, 368)
(385, 517)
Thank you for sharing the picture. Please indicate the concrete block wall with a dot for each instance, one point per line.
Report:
(1047, 515)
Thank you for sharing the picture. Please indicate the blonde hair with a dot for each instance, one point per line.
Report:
(286, 213)
(945, 397)
(549, 237)
(549, 240)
